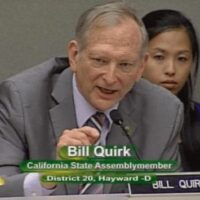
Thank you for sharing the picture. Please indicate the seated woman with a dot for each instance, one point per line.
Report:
(172, 63)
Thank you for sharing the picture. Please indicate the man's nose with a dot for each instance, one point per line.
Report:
(110, 74)
(170, 67)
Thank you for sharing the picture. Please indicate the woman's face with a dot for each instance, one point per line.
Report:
(170, 59)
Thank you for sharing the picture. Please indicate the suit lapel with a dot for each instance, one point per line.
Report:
(116, 135)
(63, 112)
(63, 117)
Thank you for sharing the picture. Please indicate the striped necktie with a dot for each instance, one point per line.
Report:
(96, 121)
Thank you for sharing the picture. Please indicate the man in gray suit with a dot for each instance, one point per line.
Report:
(47, 106)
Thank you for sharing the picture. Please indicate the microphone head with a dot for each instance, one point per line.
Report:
(116, 117)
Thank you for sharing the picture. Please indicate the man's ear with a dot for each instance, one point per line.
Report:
(72, 50)
(142, 67)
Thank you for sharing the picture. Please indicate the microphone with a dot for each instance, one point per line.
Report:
(117, 119)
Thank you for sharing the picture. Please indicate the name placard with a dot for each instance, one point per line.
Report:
(171, 183)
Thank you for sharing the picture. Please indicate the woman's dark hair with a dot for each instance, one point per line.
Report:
(159, 21)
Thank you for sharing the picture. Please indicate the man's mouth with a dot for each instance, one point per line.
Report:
(106, 91)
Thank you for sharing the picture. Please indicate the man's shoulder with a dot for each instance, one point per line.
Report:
(152, 102)
(35, 82)
(151, 93)
(41, 71)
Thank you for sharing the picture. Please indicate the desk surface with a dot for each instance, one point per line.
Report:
(191, 196)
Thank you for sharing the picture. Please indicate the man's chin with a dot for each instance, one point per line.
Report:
(103, 106)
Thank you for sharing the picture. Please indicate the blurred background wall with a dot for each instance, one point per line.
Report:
(32, 31)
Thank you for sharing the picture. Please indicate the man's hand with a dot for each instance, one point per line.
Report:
(79, 136)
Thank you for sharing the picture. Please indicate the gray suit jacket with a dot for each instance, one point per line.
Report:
(37, 105)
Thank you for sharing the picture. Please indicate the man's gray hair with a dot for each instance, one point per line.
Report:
(109, 14)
